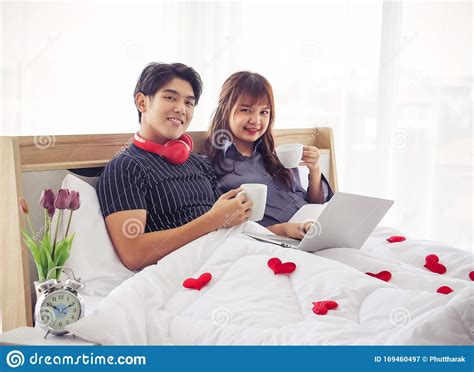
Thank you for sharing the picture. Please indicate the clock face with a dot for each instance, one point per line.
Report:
(59, 309)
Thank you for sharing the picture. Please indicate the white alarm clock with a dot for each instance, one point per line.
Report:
(59, 304)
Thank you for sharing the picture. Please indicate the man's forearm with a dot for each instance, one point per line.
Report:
(150, 247)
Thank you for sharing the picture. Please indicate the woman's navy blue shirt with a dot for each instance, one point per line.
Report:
(234, 169)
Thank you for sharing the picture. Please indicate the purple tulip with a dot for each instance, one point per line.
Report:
(51, 211)
(62, 199)
(75, 202)
(47, 198)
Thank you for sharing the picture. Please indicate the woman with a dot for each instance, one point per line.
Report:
(245, 115)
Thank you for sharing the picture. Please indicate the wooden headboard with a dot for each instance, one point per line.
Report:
(35, 154)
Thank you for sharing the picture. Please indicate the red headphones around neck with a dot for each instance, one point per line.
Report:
(175, 151)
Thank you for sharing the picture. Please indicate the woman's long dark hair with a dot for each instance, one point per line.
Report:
(237, 87)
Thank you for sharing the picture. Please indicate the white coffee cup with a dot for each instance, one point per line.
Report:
(257, 194)
(290, 154)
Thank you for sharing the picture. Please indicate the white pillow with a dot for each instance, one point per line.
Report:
(92, 257)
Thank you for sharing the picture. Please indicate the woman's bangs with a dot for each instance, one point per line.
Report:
(254, 92)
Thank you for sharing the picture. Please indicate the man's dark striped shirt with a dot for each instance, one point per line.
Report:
(172, 195)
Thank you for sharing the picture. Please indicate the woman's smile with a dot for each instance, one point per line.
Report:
(251, 130)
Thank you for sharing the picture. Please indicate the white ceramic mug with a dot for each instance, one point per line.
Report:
(290, 154)
(257, 194)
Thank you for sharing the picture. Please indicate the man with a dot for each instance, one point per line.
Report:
(153, 206)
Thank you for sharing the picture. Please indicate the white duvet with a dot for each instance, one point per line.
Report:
(245, 303)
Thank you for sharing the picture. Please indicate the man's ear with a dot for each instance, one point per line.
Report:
(141, 102)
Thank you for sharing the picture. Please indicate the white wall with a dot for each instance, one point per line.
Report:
(393, 79)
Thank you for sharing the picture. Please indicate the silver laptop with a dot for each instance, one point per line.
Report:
(346, 221)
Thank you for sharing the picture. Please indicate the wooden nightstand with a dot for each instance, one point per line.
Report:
(34, 336)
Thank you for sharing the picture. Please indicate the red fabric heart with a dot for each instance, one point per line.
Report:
(322, 307)
(471, 275)
(331, 305)
(396, 239)
(444, 290)
(198, 283)
(432, 264)
(432, 257)
(281, 268)
(383, 275)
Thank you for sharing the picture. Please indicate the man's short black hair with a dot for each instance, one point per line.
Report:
(155, 75)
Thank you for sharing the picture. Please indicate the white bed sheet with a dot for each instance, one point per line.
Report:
(91, 303)
(246, 304)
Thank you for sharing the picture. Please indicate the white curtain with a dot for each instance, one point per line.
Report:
(394, 80)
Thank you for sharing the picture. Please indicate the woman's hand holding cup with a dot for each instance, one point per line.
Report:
(310, 158)
(292, 155)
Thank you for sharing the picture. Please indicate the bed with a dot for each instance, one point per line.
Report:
(337, 296)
